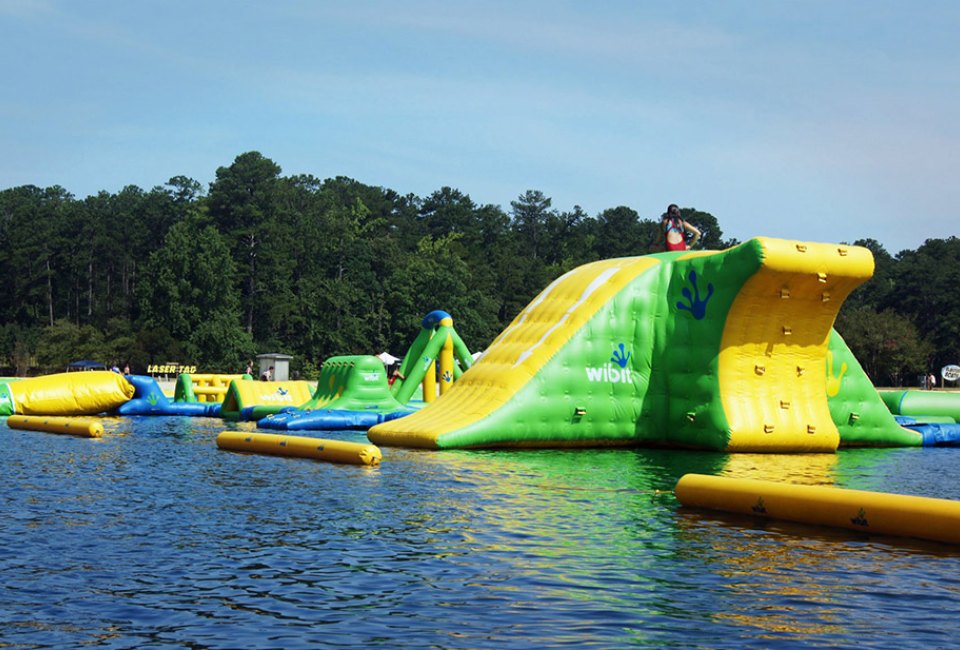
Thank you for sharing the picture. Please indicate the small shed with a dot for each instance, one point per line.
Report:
(280, 363)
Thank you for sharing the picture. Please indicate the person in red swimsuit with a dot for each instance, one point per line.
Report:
(675, 230)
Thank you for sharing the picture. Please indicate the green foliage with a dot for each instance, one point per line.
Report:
(621, 233)
(927, 290)
(711, 236)
(530, 212)
(16, 348)
(879, 289)
(64, 341)
(244, 205)
(35, 254)
(885, 343)
(316, 268)
(155, 345)
(188, 297)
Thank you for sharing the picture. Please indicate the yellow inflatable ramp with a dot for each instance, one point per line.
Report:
(83, 427)
(513, 362)
(772, 362)
(334, 451)
(869, 512)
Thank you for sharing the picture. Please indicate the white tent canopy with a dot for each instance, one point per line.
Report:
(387, 358)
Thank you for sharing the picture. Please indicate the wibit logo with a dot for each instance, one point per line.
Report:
(860, 519)
(610, 373)
(279, 395)
(695, 304)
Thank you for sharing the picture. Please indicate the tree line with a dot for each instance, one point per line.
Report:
(262, 262)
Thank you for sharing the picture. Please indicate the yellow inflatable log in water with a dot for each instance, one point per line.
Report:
(84, 427)
(66, 393)
(334, 451)
(869, 512)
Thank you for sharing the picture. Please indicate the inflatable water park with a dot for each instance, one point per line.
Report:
(729, 350)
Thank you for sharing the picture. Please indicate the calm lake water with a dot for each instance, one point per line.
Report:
(151, 537)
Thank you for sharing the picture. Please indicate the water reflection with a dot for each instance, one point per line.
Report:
(803, 469)
(781, 577)
(151, 536)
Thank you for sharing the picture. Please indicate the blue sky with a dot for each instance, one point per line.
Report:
(820, 121)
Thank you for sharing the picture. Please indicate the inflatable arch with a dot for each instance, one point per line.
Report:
(430, 359)
(204, 387)
(719, 350)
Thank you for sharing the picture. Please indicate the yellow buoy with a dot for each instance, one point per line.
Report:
(85, 427)
(335, 451)
(869, 512)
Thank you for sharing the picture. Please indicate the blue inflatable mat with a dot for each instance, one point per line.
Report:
(935, 434)
(148, 399)
(326, 419)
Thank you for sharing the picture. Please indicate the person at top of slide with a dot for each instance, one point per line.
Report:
(675, 230)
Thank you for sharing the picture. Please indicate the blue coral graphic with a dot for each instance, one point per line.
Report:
(620, 356)
(695, 305)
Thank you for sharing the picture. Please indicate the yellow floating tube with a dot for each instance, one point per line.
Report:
(334, 451)
(69, 393)
(84, 427)
(870, 512)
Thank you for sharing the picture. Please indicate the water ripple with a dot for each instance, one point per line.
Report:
(150, 537)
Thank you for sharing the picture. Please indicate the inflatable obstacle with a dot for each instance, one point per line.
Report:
(932, 414)
(352, 393)
(436, 358)
(858, 411)
(719, 350)
(204, 387)
(922, 403)
(334, 451)
(868, 512)
(254, 400)
(149, 399)
(83, 427)
(65, 393)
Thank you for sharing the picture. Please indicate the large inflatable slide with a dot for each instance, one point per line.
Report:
(722, 350)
